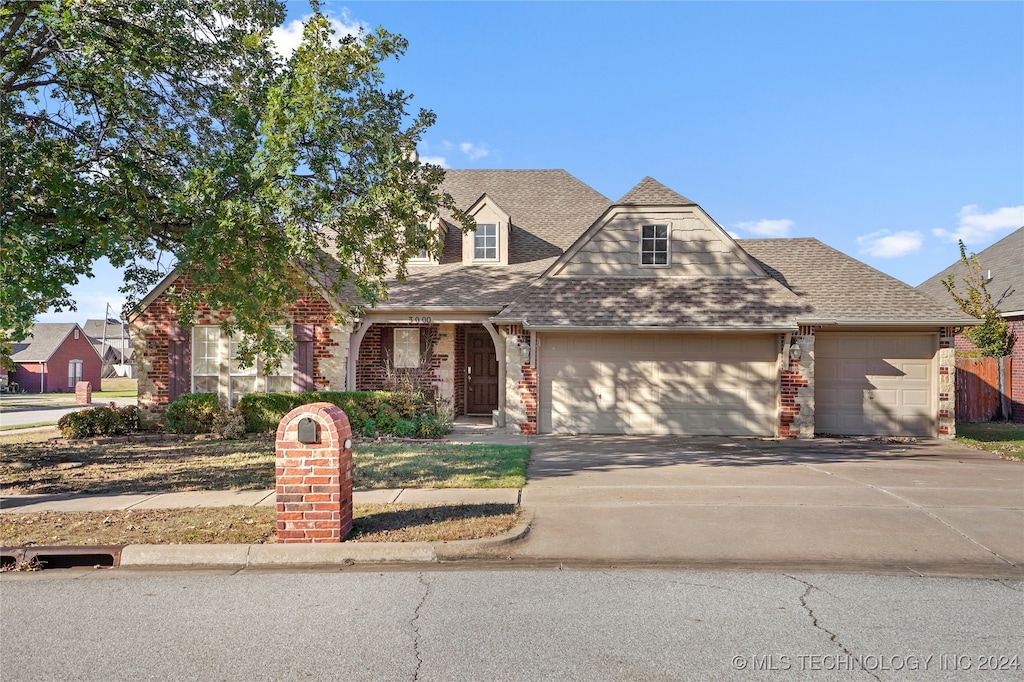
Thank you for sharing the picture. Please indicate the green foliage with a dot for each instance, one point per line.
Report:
(229, 424)
(193, 413)
(170, 131)
(991, 336)
(406, 415)
(108, 420)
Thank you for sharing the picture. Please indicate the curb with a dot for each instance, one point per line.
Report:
(317, 554)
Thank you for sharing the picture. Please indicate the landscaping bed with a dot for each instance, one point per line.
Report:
(250, 525)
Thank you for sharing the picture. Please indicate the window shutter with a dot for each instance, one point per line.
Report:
(302, 359)
(387, 345)
(178, 361)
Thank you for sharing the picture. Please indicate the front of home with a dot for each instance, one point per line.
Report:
(565, 312)
(54, 358)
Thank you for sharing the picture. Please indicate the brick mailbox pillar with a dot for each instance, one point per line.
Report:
(314, 475)
(83, 392)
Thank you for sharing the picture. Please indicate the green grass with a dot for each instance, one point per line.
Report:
(1004, 438)
(18, 427)
(440, 465)
(144, 467)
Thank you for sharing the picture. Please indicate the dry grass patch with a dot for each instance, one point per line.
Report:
(249, 525)
(419, 523)
(1003, 438)
(205, 525)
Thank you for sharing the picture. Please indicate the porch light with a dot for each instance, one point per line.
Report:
(794, 350)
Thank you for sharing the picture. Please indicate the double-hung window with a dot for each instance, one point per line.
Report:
(654, 245)
(407, 347)
(485, 242)
(205, 359)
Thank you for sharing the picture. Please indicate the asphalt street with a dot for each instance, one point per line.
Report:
(535, 624)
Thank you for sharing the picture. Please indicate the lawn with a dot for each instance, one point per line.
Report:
(250, 525)
(1004, 438)
(145, 467)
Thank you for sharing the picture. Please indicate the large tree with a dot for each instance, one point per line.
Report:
(991, 337)
(171, 131)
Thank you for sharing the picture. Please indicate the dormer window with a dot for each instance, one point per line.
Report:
(485, 242)
(654, 245)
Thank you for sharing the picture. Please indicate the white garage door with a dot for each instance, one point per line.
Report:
(658, 384)
(875, 384)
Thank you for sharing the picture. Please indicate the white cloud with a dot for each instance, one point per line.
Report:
(436, 160)
(885, 244)
(288, 37)
(766, 228)
(979, 228)
(474, 151)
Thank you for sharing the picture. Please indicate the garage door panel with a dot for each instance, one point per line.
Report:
(658, 384)
(875, 384)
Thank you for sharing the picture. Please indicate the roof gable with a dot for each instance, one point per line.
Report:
(650, 192)
(44, 341)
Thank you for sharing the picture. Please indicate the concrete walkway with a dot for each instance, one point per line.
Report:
(252, 498)
(926, 506)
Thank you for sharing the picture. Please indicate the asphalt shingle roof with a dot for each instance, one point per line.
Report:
(836, 286)
(1005, 259)
(650, 192)
(676, 302)
(46, 338)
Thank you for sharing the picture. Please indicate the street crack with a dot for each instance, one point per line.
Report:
(414, 624)
(817, 625)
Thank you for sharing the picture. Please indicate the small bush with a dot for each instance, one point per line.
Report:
(434, 425)
(406, 428)
(193, 413)
(109, 420)
(229, 424)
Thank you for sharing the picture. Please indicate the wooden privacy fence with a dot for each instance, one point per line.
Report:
(983, 389)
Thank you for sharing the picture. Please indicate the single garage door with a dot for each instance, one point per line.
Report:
(683, 384)
(875, 384)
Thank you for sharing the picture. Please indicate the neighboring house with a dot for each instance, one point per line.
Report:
(1003, 264)
(55, 357)
(112, 340)
(565, 312)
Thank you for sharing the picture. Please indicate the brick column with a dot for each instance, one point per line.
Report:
(83, 392)
(314, 480)
(947, 383)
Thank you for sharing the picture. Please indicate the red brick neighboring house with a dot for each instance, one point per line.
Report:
(1003, 264)
(566, 312)
(55, 357)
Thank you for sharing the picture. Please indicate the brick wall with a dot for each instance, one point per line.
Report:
(151, 336)
(796, 390)
(372, 372)
(459, 402)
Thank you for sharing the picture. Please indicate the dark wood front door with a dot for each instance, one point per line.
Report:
(481, 373)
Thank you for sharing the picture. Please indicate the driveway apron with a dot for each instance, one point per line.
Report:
(926, 506)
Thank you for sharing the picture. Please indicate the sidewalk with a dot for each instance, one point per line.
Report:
(254, 498)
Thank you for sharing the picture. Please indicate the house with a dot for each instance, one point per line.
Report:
(566, 312)
(112, 340)
(55, 357)
(1003, 264)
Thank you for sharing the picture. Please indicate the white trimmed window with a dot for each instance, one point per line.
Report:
(407, 347)
(654, 245)
(205, 359)
(281, 380)
(485, 242)
(242, 379)
(75, 368)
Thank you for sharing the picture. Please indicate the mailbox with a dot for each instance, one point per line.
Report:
(309, 430)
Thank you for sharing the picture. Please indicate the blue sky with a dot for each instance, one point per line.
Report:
(886, 130)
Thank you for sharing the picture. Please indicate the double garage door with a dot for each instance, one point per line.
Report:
(867, 383)
(686, 384)
(875, 384)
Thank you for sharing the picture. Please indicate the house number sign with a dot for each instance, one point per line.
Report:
(419, 320)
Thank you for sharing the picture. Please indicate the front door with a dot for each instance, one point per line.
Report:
(481, 373)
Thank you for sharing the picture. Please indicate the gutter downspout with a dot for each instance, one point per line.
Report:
(354, 341)
(499, 352)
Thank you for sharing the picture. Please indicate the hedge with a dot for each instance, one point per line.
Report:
(193, 413)
(109, 420)
(408, 415)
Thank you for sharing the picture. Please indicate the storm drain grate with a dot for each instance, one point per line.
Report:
(60, 557)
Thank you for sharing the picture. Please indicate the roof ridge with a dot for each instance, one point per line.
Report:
(651, 192)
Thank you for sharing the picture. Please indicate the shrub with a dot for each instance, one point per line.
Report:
(108, 420)
(434, 425)
(193, 413)
(369, 412)
(229, 424)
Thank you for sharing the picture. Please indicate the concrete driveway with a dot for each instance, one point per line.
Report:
(928, 507)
